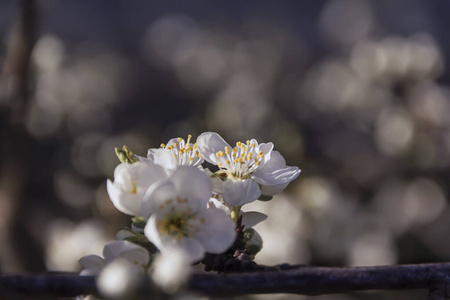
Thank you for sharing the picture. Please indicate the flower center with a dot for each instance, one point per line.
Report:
(241, 161)
(178, 223)
(185, 153)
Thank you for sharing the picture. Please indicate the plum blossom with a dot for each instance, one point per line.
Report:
(176, 152)
(251, 169)
(124, 250)
(179, 217)
(131, 181)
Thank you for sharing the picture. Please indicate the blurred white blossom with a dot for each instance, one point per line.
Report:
(171, 270)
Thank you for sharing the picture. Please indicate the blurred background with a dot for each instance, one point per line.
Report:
(356, 93)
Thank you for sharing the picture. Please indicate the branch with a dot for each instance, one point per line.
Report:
(296, 280)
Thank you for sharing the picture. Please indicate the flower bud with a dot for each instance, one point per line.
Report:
(253, 241)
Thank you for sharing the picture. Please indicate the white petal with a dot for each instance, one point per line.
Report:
(237, 192)
(217, 182)
(156, 197)
(209, 143)
(193, 248)
(218, 232)
(193, 184)
(162, 157)
(251, 218)
(175, 140)
(215, 203)
(126, 250)
(119, 168)
(93, 264)
(125, 202)
(272, 190)
(152, 233)
(149, 175)
(266, 148)
(275, 172)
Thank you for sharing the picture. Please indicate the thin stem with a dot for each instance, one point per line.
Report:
(301, 280)
(235, 211)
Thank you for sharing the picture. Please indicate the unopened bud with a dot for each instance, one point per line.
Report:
(253, 241)
(125, 155)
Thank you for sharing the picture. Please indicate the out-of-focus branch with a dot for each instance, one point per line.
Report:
(298, 280)
(16, 69)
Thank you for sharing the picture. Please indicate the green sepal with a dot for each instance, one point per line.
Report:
(220, 173)
(265, 198)
(138, 222)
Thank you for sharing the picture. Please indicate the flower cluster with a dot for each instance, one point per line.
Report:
(178, 206)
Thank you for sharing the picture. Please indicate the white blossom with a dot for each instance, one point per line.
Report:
(251, 169)
(177, 152)
(131, 181)
(179, 217)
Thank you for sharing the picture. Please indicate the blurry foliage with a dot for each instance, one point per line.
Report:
(355, 96)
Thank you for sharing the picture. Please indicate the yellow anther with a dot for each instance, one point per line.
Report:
(175, 156)
(191, 159)
(258, 163)
(234, 150)
(189, 139)
(227, 150)
(219, 165)
(228, 161)
(195, 146)
(188, 148)
(260, 153)
(179, 140)
(253, 145)
(175, 144)
(163, 145)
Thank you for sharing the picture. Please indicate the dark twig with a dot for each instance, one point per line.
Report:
(298, 280)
